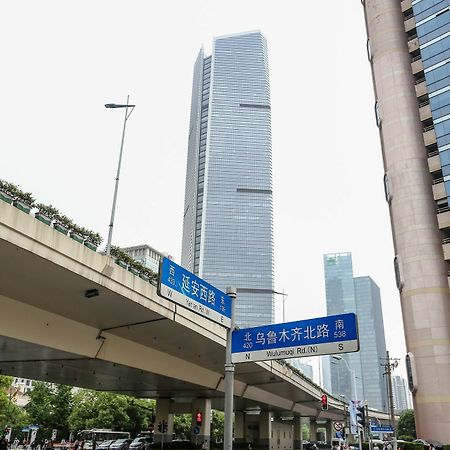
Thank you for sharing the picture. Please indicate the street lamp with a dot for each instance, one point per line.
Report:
(340, 358)
(284, 298)
(116, 188)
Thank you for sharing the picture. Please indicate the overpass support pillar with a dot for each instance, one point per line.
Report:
(201, 405)
(312, 431)
(265, 430)
(329, 431)
(298, 437)
(163, 408)
(239, 427)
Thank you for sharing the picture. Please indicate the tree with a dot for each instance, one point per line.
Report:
(406, 424)
(40, 407)
(62, 400)
(182, 425)
(11, 415)
(217, 425)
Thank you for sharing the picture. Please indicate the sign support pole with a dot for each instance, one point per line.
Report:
(229, 379)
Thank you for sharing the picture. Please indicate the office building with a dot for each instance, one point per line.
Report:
(305, 369)
(408, 51)
(227, 224)
(372, 341)
(360, 371)
(399, 394)
(146, 255)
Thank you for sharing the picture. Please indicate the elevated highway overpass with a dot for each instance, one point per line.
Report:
(127, 339)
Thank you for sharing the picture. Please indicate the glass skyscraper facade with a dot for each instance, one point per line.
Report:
(228, 211)
(372, 341)
(360, 295)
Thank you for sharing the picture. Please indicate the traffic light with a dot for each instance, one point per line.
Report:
(324, 402)
(162, 426)
(199, 418)
(361, 416)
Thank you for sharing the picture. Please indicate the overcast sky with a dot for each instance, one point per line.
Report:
(61, 61)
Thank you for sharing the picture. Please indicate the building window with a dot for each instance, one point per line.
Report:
(398, 277)
(369, 50)
(378, 114)
(387, 190)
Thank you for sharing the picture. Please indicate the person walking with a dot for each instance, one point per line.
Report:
(3, 443)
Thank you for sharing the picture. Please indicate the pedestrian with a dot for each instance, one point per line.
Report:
(375, 447)
(81, 444)
(3, 443)
(205, 445)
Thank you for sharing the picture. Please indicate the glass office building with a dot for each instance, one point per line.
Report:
(409, 53)
(360, 295)
(227, 224)
(372, 341)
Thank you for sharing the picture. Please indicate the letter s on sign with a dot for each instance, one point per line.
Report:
(341, 346)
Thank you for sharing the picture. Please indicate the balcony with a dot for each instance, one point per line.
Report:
(434, 163)
(417, 65)
(443, 218)
(406, 5)
(421, 88)
(429, 136)
(410, 24)
(446, 248)
(413, 44)
(425, 112)
(439, 190)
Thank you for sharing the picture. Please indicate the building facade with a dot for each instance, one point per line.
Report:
(372, 341)
(360, 371)
(409, 50)
(146, 255)
(399, 394)
(228, 212)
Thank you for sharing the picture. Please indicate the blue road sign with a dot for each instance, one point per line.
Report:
(321, 336)
(382, 429)
(183, 287)
(196, 429)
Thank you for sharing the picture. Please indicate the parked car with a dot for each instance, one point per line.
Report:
(121, 444)
(140, 443)
(104, 445)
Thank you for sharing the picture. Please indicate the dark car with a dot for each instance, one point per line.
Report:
(140, 443)
(121, 444)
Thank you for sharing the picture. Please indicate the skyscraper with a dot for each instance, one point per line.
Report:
(408, 50)
(361, 295)
(399, 393)
(372, 341)
(227, 225)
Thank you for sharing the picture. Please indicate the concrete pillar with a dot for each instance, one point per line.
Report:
(312, 431)
(265, 430)
(298, 438)
(329, 431)
(239, 427)
(163, 408)
(202, 405)
(421, 267)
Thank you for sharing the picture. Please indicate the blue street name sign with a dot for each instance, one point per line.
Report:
(382, 429)
(183, 287)
(321, 336)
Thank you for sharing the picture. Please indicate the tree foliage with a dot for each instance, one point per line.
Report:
(11, 415)
(182, 425)
(217, 425)
(406, 424)
(93, 409)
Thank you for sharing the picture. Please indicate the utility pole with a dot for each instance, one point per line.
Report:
(389, 367)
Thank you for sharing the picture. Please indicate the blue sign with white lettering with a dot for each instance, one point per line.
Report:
(382, 429)
(183, 287)
(321, 336)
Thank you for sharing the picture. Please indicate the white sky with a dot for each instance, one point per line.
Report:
(61, 61)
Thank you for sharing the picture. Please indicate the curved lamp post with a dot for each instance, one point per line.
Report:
(116, 188)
